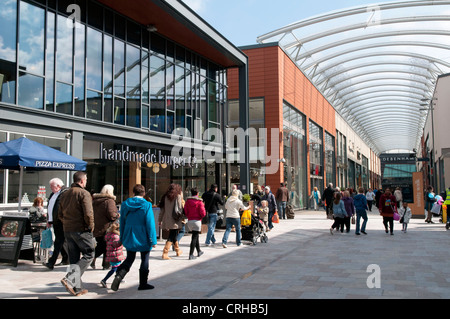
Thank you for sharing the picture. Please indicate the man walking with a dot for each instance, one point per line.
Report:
(328, 196)
(282, 198)
(77, 216)
(58, 188)
(212, 199)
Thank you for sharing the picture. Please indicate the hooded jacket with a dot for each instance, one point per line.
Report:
(360, 202)
(386, 204)
(105, 212)
(194, 209)
(137, 224)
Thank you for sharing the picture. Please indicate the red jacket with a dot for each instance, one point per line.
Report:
(114, 248)
(194, 208)
(386, 204)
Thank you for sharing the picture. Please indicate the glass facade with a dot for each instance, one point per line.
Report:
(294, 149)
(330, 159)
(104, 68)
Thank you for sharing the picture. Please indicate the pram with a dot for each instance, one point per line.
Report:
(254, 231)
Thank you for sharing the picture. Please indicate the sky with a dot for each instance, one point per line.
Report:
(242, 21)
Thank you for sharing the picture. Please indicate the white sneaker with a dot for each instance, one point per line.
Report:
(224, 246)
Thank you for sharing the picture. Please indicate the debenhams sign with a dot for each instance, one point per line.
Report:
(126, 155)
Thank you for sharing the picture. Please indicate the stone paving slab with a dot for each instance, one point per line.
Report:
(300, 261)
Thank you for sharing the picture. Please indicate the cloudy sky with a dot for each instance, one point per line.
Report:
(242, 21)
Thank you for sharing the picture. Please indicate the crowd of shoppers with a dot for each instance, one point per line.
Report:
(87, 226)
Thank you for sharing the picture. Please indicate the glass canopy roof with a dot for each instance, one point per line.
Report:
(377, 65)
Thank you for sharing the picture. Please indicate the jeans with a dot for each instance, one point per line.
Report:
(212, 220)
(110, 272)
(271, 213)
(237, 224)
(131, 255)
(360, 214)
(282, 209)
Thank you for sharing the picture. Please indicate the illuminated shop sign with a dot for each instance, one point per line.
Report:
(155, 156)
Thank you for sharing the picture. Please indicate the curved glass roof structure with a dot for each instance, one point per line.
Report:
(377, 65)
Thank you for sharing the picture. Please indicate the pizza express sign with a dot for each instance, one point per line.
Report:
(127, 155)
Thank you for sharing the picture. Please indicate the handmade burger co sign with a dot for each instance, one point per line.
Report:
(151, 156)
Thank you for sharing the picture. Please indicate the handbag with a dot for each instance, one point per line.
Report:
(353, 220)
(177, 212)
(275, 218)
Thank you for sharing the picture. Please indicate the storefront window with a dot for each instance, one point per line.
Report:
(79, 70)
(330, 156)
(316, 155)
(133, 86)
(294, 150)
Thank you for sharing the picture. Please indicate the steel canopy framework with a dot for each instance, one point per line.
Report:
(377, 65)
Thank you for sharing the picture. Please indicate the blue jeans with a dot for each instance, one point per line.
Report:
(360, 214)
(212, 220)
(282, 209)
(237, 224)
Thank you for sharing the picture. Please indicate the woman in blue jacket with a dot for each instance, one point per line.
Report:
(137, 233)
(339, 213)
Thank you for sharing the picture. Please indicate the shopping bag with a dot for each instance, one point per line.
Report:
(246, 218)
(275, 218)
(396, 214)
(46, 239)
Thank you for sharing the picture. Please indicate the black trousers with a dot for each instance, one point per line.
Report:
(338, 223)
(389, 220)
(58, 245)
(195, 244)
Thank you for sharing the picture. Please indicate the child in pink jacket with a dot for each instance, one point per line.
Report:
(114, 250)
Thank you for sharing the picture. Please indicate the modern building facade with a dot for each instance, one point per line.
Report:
(281, 97)
(315, 144)
(109, 82)
(435, 147)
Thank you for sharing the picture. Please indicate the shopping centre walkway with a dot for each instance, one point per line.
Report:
(301, 260)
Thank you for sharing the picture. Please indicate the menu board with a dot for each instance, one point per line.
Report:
(12, 230)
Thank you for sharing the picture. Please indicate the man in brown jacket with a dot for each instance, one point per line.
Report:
(282, 198)
(77, 215)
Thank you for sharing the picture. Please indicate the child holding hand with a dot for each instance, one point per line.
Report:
(114, 250)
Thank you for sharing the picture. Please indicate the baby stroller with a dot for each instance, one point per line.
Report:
(254, 231)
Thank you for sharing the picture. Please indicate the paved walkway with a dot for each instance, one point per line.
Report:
(301, 260)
